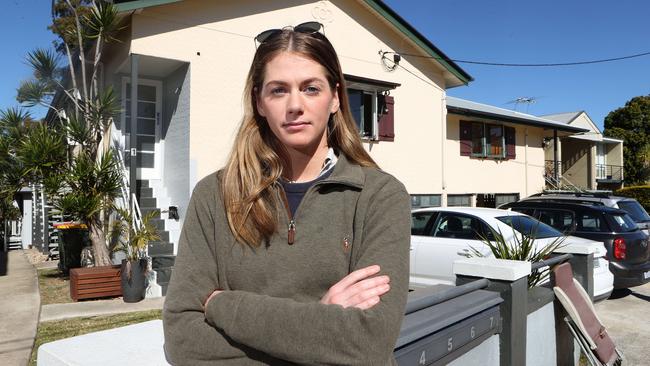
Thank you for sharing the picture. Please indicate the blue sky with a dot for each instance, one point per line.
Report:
(497, 31)
(544, 31)
(23, 25)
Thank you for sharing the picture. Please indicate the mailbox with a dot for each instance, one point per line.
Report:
(443, 322)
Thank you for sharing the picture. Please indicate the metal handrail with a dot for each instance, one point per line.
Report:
(551, 261)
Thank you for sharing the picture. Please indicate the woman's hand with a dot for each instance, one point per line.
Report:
(358, 290)
(213, 294)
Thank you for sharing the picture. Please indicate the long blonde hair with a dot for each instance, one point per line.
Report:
(257, 158)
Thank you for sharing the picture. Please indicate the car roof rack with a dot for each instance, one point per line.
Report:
(589, 193)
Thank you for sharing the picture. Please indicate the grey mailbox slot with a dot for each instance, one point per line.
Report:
(443, 322)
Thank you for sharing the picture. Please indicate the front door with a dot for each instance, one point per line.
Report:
(149, 148)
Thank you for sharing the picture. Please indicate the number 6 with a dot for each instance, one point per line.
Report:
(472, 332)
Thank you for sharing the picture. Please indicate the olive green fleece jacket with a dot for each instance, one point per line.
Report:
(269, 313)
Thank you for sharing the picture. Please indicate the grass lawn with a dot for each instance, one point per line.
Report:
(59, 329)
(54, 286)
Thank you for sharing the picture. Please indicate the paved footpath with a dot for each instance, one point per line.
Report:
(20, 303)
(97, 307)
(625, 315)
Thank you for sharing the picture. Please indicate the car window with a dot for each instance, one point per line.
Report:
(634, 209)
(457, 226)
(590, 222)
(623, 223)
(561, 220)
(529, 226)
(419, 222)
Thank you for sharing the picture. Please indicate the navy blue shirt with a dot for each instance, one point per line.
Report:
(296, 191)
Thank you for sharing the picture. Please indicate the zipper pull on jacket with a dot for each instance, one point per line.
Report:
(292, 232)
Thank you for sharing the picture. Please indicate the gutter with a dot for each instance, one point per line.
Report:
(550, 125)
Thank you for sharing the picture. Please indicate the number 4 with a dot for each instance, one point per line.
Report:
(423, 358)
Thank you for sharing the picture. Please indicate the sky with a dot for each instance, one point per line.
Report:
(542, 31)
(502, 31)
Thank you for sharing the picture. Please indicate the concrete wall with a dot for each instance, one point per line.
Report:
(540, 337)
(216, 39)
(578, 161)
(523, 175)
(176, 135)
(485, 354)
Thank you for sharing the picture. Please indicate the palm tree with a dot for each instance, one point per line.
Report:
(82, 112)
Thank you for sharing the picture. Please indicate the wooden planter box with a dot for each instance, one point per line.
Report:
(93, 282)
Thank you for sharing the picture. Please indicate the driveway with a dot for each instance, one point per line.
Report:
(625, 315)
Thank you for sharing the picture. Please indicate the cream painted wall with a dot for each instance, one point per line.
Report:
(523, 175)
(216, 38)
(578, 159)
(614, 154)
(584, 121)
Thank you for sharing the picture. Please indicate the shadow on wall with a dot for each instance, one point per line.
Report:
(4, 257)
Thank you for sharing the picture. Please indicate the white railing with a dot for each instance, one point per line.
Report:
(126, 200)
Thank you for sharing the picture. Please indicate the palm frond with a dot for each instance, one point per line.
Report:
(44, 63)
(101, 21)
(33, 92)
(522, 248)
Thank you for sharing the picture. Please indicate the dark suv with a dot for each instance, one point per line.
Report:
(629, 205)
(627, 246)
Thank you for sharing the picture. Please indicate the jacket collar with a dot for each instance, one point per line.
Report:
(346, 173)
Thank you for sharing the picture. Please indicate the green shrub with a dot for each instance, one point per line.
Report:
(640, 193)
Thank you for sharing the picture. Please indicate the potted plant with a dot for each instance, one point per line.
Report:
(520, 247)
(131, 238)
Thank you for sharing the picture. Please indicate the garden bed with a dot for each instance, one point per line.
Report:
(54, 286)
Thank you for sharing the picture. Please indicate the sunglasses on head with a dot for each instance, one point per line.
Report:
(307, 28)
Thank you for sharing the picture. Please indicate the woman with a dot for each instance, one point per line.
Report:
(297, 251)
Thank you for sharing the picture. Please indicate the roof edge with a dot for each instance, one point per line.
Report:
(408, 30)
(550, 125)
(140, 4)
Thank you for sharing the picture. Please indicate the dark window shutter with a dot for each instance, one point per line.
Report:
(387, 121)
(465, 138)
(510, 143)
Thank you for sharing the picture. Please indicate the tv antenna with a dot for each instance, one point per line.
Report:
(523, 100)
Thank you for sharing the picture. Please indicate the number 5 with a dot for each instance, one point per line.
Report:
(450, 345)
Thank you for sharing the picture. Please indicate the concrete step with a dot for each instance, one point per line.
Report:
(149, 209)
(162, 261)
(144, 192)
(164, 236)
(142, 184)
(158, 224)
(160, 248)
(147, 202)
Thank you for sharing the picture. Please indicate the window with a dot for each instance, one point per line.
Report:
(456, 226)
(495, 141)
(459, 200)
(529, 226)
(634, 209)
(419, 222)
(560, 219)
(484, 140)
(425, 200)
(363, 106)
(372, 107)
(503, 198)
(624, 223)
(590, 222)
